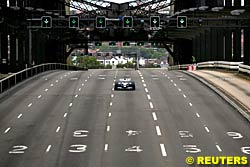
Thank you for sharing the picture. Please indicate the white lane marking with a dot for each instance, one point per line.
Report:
(57, 81)
(149, 97)
(19, 116)
(83, 84)
(158, 130)
(88, 77)
(70, 104)
(46, 79)
(172, 81)
(102, 75)
(58, 129)
(207, 129)
(184, 96)
(113, 84)
(198, 115)
(168, 77)
(86, 80)
(65, 115)
(190, 104)
(108, 128)
(111, 104)
(110, 114)
(48, 148)
(154, 116)
(113, 88)
(80, 89)
(30, 105)
(179, 90)
(114, 80)
(51, 85)
(7, 130)
(112, 96)
(101, 78)
(106, 147)
(39, 97)
(76, 96)
(143, 81)
(175, 85)
(61, 77)
(46, 90)
(144, 85)
(146, 90)
(151, 105)
(218, 148)
(163, 150)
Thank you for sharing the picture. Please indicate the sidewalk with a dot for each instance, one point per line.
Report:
(230, 83)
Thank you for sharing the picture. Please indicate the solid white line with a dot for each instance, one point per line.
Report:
(58, 129)
(149, 97)
(218, 148)
(108, 128)
(71, 104)
(65, 115)
(198, 115)
(207, 129)
(48, 148)
(30, 105)
(39, 97)
(146, 90)
(76, 96)
(110, 114)
(106, 147)
(7, 130)
(184, 96)
(163, 150)
(190, 104)
(158, 130)
(154, 116)
(19, 116)
(151, 105)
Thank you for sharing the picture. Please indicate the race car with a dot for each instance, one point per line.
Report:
(124, 84)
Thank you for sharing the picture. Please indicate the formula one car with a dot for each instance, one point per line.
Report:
(124, 84)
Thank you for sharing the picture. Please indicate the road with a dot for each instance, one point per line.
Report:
(75, 119)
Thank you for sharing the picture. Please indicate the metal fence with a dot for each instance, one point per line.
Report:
(18, 77)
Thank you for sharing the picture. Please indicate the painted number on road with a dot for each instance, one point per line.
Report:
(235, 135)
(81, 133)
(18, 149)
(245, 150)
(185, 134)
(191, 149)
(78, 148)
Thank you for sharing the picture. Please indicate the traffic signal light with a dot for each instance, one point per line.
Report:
(140, 43)
(46, 22)
(100, 22)
(112, 43)
(73, 22)
(127, 22)
(155, 21)
(98, 44)
(126, 44)
(181, 21)
(154, 44)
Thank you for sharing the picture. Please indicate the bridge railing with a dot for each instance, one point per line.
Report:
(18, 77)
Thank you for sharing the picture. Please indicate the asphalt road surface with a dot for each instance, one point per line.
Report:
(76, 119)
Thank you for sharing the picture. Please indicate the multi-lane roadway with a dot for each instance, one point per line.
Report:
(75, 119)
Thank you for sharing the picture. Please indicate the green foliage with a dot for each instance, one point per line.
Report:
(87, 62)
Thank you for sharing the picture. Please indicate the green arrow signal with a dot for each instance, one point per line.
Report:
(73, 21)
(182, 21)
(100, 21)
(46, 21)
(127, 21)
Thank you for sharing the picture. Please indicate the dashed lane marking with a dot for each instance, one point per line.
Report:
(175, 85)
(58, 129)
(110, 114)
(111, 104)
(151, 105)
(144, 85)
(48, 148)
(19, 116)
(163, 150)
(207, 129)
(149, 97)
(179, 90)
(146, 90)
(71, 104)
(190, 104)
(184, 96)
(158, 130)
(7, 130)
(154, 116)
(51, 85)
(112, 96)
(218, 148)
(106, 147)
(30, 105)
(80, 89)
(46, 90)
(108, 128)
(76, 96)
(65, 115)
(39, 97)
(198, 115)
